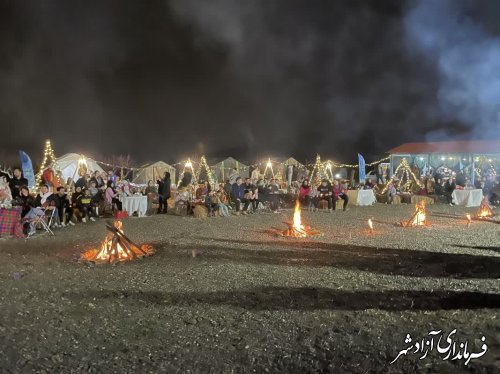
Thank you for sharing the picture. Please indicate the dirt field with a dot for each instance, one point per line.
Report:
(228, 295)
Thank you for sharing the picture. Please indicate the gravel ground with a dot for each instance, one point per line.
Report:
(229, 295)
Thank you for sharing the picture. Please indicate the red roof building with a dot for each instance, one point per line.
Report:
(453, 147)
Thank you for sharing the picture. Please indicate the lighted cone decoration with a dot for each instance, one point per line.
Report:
(485, 210)
(296, 229)
(419, 218)
(116, 247)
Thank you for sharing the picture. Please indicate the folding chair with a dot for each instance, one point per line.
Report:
(39, 221)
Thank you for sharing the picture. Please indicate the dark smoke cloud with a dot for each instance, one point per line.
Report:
(467, 57)
(165, 79)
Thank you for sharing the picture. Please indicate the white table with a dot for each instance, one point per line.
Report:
(361, 197)
(467, 198)
(133, 204)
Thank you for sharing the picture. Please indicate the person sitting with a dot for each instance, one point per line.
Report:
(24, 200)
(211, 202)
(449, 187)
(304, 194)
(5, 192)
(87, 207)
(63, 207)
(273, 195)
(391, 192)
(325, 193)
(221, 200)
(112, 197)
(227, 188)
(29, 211)
(82, 182)
(17, 181)
(368, 185)
(313, 199)
(98, 180)
(238, 194)
(46, 201)
(251, 195)
(339, 192)
(76, 204)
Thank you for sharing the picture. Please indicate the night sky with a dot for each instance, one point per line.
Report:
(248, 79)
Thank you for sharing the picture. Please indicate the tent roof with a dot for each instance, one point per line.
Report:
(157, 163)
(473, 146)
(217, 161)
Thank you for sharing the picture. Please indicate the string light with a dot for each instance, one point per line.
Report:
(269, 165)
(48, 153)
(210, 177)
(357, 165)
(405, 175)
(318, 173)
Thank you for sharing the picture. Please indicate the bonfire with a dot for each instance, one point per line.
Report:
(419, 218)
(116, 247)
(296, 229)
(485, 210)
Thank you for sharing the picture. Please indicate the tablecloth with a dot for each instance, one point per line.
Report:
(467, 198)
(132, 204)
(10, 222)
(361, 197)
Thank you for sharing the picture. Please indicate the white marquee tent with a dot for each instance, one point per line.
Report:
(153, 172)
(68, 165)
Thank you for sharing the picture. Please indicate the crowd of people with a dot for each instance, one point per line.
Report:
(442, 182)
(93, 195)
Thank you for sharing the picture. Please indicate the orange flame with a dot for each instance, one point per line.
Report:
(297, 222)
(469, 218)
(370, 224)
(108, 250)
(484, 210)
(111, 250)
(419, 217)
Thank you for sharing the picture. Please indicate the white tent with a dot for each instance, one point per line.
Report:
(153, 172)
(68, 165)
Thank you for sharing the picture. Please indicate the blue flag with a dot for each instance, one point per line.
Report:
(461, 166)
(362, 171)
(27, 167)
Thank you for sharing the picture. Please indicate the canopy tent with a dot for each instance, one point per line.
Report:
(281, 168)
(454, 155)
(229, 167)
(68, 166)
(153, 172)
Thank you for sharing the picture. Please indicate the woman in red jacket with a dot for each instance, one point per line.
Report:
(304, 194)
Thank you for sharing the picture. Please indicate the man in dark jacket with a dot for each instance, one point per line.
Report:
(63, 207)
(449, 187)
(238, 194)
(325, 193)
(17, 182)
(164, 193)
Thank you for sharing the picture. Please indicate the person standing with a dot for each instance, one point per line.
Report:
(164, 193)
(449, 187)
(17, 182)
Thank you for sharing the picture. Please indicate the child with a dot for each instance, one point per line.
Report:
(86, 205)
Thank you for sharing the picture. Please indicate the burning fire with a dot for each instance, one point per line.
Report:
(297, 222)
(370, 224)
(484, 210)
(116, 247)
(296, 229)
(419, 218)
